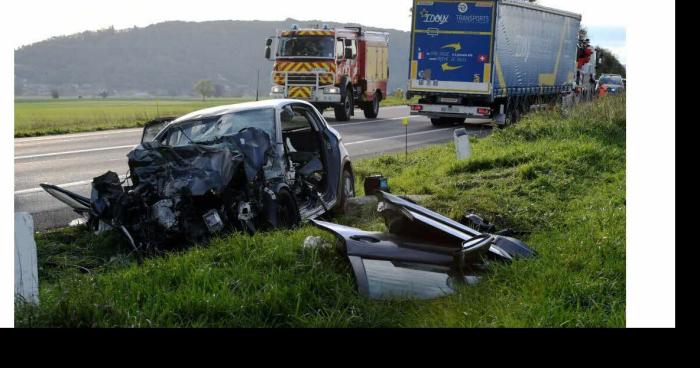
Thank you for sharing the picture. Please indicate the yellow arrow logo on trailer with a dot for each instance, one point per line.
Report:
(447, 67)
(456, 46)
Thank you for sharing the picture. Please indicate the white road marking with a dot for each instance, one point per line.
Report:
(84, 182)
(341, 125)
(73, 152)
(66, 185)
(397, 136)
(76, 136)
(122, 147)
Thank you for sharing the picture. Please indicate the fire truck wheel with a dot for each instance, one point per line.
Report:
(344, 111)
(371, 109)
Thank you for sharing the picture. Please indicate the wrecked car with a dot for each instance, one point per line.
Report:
(424, 255)
(244, 167)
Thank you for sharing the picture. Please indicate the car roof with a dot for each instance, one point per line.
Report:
(229, 109)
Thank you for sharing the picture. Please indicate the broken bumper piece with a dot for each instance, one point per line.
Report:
(424, 255)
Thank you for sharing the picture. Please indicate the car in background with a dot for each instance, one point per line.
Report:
(610, 84)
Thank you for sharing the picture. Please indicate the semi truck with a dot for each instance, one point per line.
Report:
(331, 68)
(489, 61)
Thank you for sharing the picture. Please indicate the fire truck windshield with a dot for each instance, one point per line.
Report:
(308, 46)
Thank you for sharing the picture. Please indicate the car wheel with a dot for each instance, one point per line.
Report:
(347, 191)
(287, 210)
(371, 110)
(344, 112)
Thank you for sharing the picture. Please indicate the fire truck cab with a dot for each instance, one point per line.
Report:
(331, 68)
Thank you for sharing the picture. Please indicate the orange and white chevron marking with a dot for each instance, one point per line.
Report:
(299, 92)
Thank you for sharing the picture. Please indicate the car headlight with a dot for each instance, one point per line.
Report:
(277, 89)
(332, 90)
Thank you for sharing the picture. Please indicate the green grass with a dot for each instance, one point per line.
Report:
(44, 117)
(559, 180)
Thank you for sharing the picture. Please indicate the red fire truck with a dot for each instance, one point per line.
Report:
(331, 68)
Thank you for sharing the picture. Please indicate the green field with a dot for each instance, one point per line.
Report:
(558, 179)
(42, 117)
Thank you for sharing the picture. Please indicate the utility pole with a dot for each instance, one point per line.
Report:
(405, 124)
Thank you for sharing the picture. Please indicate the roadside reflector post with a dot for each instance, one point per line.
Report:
(405, 124)
(26, 269)
(462, 144)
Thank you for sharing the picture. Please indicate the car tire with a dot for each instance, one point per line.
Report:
(371, 109)
(347, 191)
(344, 111)
(287, 210)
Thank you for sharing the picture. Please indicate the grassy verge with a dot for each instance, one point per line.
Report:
(561, 181)
(45, 117)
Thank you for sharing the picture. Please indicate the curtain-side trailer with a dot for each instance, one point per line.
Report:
(489, 61)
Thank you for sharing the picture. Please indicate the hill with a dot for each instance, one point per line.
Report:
(166, 59)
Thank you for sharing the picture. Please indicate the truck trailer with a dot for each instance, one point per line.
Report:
(489, 61)
(331, 68)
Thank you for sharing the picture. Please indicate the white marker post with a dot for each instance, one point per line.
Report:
(462, 144)
(26, 271)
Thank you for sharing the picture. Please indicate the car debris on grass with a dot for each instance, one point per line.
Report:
(424, 255)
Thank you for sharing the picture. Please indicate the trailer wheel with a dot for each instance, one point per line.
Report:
(344, 111)
(514, 117)
(371, 109)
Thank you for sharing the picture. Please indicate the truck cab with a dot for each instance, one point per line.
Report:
(331, 68)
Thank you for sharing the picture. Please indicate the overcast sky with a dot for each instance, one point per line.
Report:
(604, 18)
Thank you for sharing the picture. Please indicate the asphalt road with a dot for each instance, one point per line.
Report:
(71, 161)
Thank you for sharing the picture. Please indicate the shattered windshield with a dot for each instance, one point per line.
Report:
(317, 47)
(211, 129)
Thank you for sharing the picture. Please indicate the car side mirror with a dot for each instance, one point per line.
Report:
(348, 53)
(268, 43)
(268, 52)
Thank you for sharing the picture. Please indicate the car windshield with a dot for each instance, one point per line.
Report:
(611, 80)
(310, 46)
(211, 129)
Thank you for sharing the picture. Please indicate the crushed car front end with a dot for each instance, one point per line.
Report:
(214, 171)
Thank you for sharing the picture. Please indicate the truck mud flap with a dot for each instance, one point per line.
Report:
(78, 203)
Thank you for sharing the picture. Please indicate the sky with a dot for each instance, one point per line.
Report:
(56, 18)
